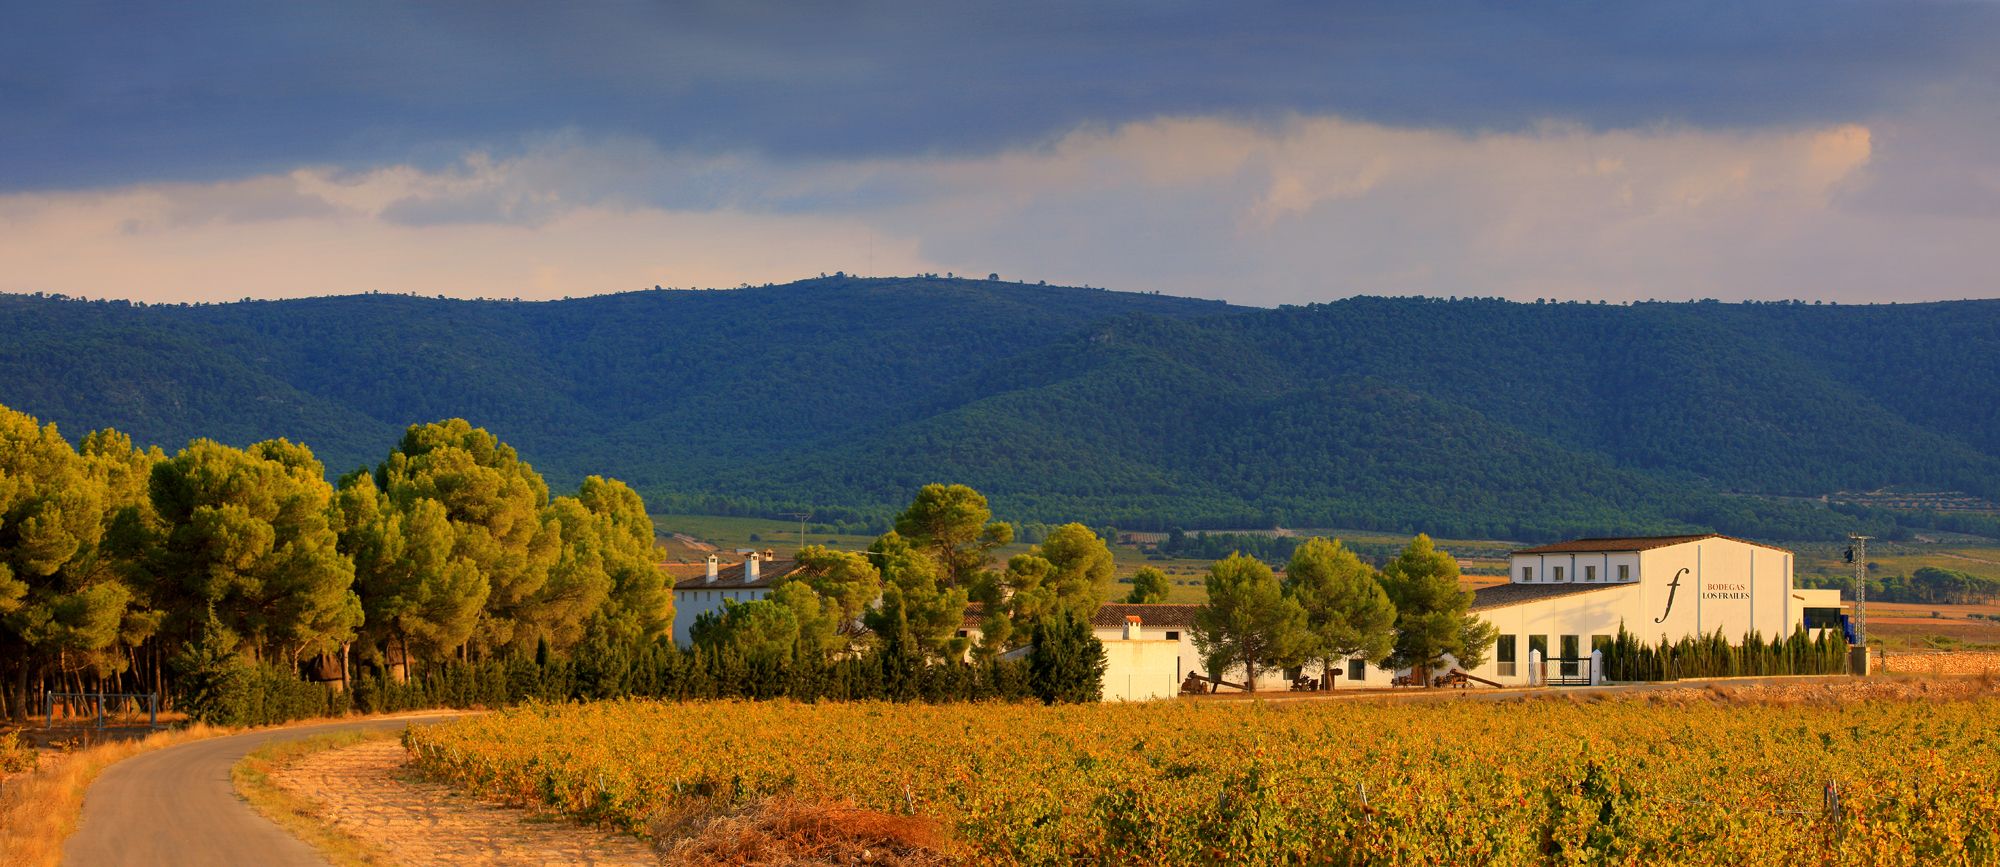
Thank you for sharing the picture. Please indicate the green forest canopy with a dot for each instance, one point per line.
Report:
(1464, 418)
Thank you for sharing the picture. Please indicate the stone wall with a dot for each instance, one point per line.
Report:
(1942, 662)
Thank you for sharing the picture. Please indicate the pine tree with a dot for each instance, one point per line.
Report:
(1149, 586)
(1347, 612)
(1067, 662)
(1247, 621)
(1432, 611)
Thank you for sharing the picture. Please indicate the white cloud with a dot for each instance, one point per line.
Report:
(1308, 209)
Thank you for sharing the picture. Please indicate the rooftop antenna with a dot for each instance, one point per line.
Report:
(802, 516)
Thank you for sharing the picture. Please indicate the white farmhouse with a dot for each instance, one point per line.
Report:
(1564, 600)
(1149, 650)
(754, 578)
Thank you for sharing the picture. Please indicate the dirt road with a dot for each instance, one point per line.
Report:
(176, 806)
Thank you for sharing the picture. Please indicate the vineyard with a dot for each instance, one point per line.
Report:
(1539, 782)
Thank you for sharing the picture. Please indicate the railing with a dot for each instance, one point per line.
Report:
(99, 704)
(1569, 671)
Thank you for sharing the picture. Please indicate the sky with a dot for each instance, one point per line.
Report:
(1263, 153)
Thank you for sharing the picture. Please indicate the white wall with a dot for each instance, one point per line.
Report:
(1188, 659)
(1141, 669)
(1724, 585)
(1185, 659)
(1596, 613)
(690, 604)
(1577, 568)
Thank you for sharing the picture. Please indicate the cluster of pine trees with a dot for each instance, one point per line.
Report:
(1332, 606)
(125, 569)
(912, 588)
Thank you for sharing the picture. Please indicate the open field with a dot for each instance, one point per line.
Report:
(1698, 779)
(729, 534)
(1899, 558)
(1916, 623)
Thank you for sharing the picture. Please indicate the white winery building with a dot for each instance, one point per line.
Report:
(1563, 600)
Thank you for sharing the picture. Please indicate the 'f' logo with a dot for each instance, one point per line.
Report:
(1672, 588)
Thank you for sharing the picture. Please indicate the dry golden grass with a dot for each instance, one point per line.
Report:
(38, 810)
(784, 831)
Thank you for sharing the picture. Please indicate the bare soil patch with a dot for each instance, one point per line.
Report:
(363, 791)
(783, 831)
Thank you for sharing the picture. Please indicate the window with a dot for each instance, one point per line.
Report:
(1557, 575)
(1539, 644)
(963, 634)
(1624, 572)
(1357, 670)
(1600, 642)
(1590, 573)
(1527, 573)
(1569, 644)
(1503, 655)
(1173, 635)
(1822, 618)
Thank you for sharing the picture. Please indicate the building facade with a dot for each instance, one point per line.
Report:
(718, 585)
(1564, 600)
(1167, 630)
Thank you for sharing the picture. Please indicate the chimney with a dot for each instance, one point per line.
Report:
(770, 555)
(750, 570)
(1131, 627)
(714, 563)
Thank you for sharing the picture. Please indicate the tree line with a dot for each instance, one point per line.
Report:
(911, 589)
(1332, 606)
(199, 574)
(914, 585)
(123, 568)
(1930, 585)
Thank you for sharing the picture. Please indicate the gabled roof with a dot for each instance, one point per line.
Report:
(1619, 544)
(1112, 615)
(1503, 595)
(1157, 614)
(731, 577)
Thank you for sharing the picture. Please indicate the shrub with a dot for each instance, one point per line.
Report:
(16, 755)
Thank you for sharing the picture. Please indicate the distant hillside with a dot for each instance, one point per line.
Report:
(841, 395)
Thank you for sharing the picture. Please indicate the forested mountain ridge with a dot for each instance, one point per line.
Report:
(842, 395)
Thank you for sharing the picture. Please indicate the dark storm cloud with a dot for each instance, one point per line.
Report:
(96, 94)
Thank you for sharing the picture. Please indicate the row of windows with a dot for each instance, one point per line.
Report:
(1172, 634)
(714, 595)
(1589, 573)
(1506, 652)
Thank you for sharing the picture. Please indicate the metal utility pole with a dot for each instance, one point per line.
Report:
(1858, 555)
(802, 516)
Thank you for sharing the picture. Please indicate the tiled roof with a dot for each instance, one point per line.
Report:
(1112, 615)
(1149, 615)
(1630, 543)
(678, 571)
(1503, 595)
(731, 577)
